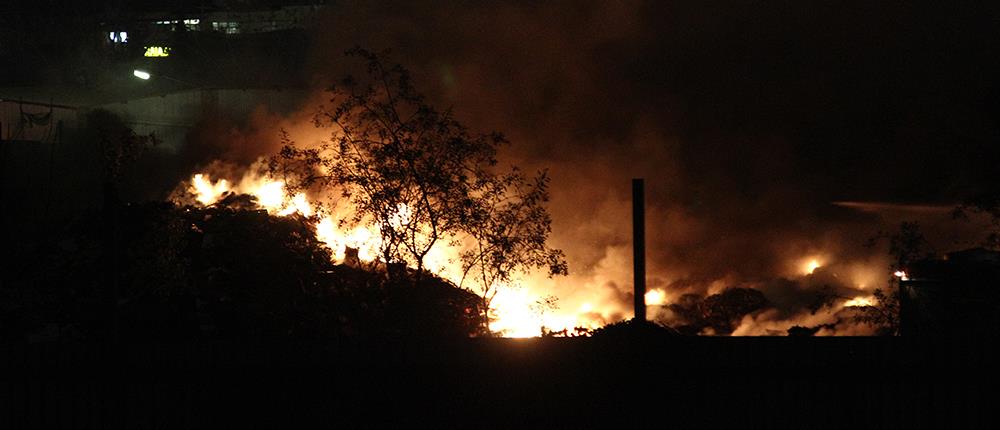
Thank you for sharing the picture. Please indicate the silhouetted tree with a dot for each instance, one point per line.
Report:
(407, 169)
(906, 246)
(422, 179)
(509, 227)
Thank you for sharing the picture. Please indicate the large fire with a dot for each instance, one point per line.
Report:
(521, 308)
(516, 309)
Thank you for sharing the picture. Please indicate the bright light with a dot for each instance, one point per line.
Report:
(860, 302)
(122, 37)
(655, 297)
(810, 266)
(141, 74)
(901, 275)
(156, 51)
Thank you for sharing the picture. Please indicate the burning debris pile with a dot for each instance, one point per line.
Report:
(361, 186)
(402, 188)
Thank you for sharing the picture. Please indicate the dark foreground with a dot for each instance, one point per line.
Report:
(677, 382)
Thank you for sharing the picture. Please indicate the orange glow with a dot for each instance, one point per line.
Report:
(205, 191)
(513, 313)
(860, 302)
(810, 266)
(514, 310)
(655, 297)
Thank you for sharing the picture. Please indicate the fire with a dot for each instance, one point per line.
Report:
(270, 195)
(515, 311)
(655, 297)
(810, 266)
(901, 275)
(860, 302)
(514, 314)
(205, 191)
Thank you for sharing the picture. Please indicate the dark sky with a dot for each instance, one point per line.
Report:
(856, 101)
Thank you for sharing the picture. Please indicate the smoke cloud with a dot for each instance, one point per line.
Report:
(747, 123)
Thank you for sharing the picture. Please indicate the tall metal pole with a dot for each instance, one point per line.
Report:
(639, 247)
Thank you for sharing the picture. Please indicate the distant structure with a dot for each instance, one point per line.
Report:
(953, 295)
(161, 28)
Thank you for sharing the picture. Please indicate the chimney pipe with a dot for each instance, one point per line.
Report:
(639, 247)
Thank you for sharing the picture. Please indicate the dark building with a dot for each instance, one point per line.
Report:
(954, 295)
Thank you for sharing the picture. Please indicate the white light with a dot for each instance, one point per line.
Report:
(122, 37)
(192, 21)
(111, 36)
(140, 74)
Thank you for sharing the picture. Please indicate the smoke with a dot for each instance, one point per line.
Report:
(744, 134)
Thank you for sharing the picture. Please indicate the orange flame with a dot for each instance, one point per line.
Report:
(514, 310)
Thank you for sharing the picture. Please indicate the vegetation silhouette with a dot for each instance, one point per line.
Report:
(223, 272)
(422, 179)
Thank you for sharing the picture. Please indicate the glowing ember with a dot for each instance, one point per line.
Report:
(655, 297)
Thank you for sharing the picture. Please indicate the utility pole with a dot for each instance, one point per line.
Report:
(639, 247)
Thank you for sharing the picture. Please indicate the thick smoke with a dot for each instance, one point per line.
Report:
(747, 124)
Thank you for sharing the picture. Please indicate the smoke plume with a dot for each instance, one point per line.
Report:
(747, 123)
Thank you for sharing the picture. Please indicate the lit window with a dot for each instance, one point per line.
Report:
(170, 23)
(118, 36)
(157, 51)
(226, 27)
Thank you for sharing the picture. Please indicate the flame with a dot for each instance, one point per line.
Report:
(655, 297)
(205, 191)
(270, 195)
(810, 266)
(901, 275)
(860, 302)
(514, 311)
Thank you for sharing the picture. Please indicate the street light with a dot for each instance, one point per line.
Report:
(144, 75)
